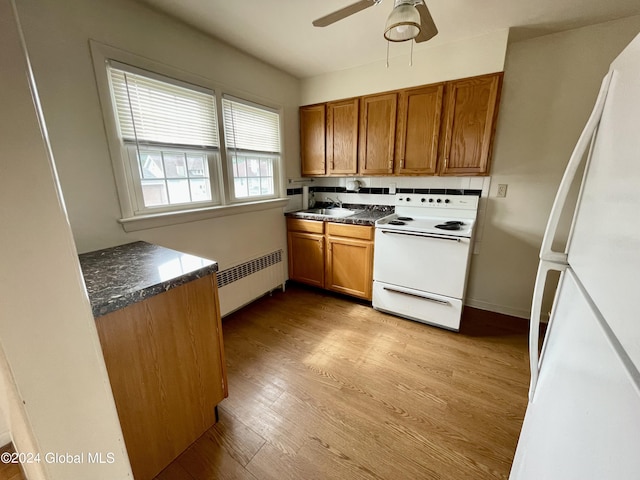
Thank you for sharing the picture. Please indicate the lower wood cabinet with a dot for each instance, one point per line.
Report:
(334, 256)
(165, 360)
(306, 251)
(349, 260)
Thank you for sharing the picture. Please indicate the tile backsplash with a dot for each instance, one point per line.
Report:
(376, 191)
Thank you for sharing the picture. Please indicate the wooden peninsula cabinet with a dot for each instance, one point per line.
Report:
(334, 256)
(162, 344)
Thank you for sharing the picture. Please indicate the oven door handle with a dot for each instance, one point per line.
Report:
(425, 235)
(423, 297)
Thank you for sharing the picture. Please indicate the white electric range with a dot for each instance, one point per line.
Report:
(421, 257)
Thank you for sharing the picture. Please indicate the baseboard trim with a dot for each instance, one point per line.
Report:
(492, 307)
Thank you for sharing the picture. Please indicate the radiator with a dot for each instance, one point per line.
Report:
(243, 283)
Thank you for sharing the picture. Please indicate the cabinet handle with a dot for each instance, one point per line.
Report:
(402, 163)
(391, 164)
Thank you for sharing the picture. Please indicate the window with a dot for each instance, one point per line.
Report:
(252, 136)
(169, 132)
(173, 177)
(171, 158)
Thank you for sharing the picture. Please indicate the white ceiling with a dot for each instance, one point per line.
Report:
(280, 32)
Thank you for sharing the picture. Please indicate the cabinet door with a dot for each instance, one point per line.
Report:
(349, 266)
(418, 133)
(312, 140)
(165, 361)
(342, 137)
(471, 110)
(377, 133)
(306, 258)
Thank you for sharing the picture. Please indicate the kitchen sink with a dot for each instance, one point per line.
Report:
(330, 212)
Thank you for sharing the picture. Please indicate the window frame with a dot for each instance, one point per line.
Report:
(127, 179)
(230, 152)
(232, 178)
(213, 163)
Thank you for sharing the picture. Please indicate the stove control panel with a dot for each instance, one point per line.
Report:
(459, 202)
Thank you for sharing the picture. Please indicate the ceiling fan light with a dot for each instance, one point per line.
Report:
(403, 23)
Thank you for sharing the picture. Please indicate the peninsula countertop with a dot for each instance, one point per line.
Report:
(120, 276)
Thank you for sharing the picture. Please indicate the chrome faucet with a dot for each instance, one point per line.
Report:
(334, 203)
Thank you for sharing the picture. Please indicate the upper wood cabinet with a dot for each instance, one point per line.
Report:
(469, 125)
(342, 137)
(440, 129)
(312, 139)
(418, 130)
(377, 133)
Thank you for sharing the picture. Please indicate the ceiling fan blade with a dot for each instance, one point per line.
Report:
(428, 27)
(343, 13)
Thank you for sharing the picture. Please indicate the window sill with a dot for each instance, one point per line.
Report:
(143, 222)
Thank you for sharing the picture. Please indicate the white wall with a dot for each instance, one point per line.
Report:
(550, 85)
(466, 58)
(58, 394)
(549, 88)
(57, 33)
(5, 429)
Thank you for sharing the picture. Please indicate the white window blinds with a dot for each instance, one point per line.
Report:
(250, 127)
(151, 111)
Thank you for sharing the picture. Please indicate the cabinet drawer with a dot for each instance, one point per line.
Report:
(309, 226)
(363, 232)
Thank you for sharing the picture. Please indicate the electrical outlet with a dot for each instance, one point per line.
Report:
(502, 190)
(392, 189)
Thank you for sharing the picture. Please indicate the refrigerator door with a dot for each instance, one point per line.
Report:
(604, 247)
(584, 420)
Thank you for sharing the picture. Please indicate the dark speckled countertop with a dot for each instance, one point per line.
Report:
(367, 214)
(120, 276)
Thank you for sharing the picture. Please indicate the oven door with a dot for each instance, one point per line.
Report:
(418, 305)
(422, 261)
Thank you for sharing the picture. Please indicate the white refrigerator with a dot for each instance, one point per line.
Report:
(583, 417)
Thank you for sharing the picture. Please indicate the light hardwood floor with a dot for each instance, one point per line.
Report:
(322, 387)
(10, 471)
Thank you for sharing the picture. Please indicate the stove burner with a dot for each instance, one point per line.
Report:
(454, 222)
(406, 219)
(396, 222)
(449, 226)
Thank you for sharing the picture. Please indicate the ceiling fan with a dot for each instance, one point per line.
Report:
(409, 19)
